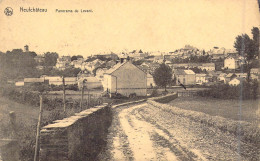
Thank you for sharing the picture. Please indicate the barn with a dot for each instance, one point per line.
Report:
(125, 78)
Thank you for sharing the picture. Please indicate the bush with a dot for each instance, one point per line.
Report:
(247, 90)
(154, 93)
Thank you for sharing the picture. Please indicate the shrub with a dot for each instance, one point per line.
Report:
(247, 90)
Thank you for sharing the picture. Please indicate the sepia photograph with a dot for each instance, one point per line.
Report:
(129, 80)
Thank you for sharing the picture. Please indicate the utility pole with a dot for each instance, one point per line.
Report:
(82, 93)
(38, 130)
(64, 95)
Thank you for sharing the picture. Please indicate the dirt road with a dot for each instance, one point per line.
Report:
(143, 132)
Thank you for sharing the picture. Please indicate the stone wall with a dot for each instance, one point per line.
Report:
(79, 137)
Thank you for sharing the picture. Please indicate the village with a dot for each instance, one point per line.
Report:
(111, 72)
(167, 80)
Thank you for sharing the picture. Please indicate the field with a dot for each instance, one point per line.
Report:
(246, 110)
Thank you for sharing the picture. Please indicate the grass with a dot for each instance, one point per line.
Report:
(224, 108)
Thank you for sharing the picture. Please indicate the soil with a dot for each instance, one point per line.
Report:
(143, 132)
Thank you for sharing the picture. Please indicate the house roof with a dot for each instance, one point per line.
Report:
(115, 67)
(201, 75)
(208, 64)
(230, 75)
(70, 79)
(33, 80)
(183, 72)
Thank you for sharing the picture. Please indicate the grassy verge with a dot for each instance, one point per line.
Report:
(235, 109)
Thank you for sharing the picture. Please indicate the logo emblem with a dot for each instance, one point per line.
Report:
(8, 11)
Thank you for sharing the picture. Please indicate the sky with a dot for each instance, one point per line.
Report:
(125, 25)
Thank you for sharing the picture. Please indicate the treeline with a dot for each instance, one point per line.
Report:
(247, 90)
(17, 64)
(193, 59)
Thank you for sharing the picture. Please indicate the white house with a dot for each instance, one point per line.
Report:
(100, 73)
(236, 81)
(231, 62)
(126, 79)
(150, 81)
(185, 77)
(90, 83)
(201, 78)
(207, 66)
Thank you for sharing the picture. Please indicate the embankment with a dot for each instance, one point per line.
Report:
(244, 130)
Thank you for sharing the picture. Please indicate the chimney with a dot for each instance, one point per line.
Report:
(26, 48)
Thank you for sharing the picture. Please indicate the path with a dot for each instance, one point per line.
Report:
(143, 132)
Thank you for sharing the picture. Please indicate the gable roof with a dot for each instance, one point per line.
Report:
(119, 65)
(183, 72)
(115, 67)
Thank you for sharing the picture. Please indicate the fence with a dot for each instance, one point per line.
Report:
(187, 93)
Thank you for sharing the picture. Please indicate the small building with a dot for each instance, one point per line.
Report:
(230, 76)
(70, 80)
(31, 81)
(231, 62)
(90, 82)
(222, 77)
(254, 71)
(185, 77)
(100, 73)
(150, 81)
(236, 81)
(201, 78)
(19, 84)
(126, 79)
(54, 80)
(207, 66)
(241, 75)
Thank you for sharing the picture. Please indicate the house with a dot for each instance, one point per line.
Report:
(100, 73)
(231, 62)
(207, 66)
(53, 80)
(63, 62)
(201, 78)
(30, 81)
(90, 82)
(150, 81)
(77, 63)
(254, 71)
(19, 84)
(254, 76)
(222, 77)
(242, 75)
(70, 80)
(236, 81)
(126, 79)
(185, 77)
(230, 76)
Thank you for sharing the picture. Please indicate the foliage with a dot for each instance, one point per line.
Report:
(247, 90)
(163, 76)
(76, 57)
(247, 47)
(17, 64)
(50, 58)
(138, 62)
(193, 59)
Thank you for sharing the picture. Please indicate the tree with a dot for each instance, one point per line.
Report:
(163, 76)
(50, 58)
(76, 57)
(248, 48)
